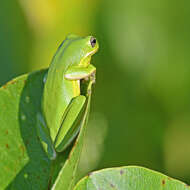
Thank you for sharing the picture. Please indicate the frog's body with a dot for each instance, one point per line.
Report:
(62, 101)
(60, 87)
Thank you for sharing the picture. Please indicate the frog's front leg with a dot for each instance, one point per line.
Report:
(78, 73)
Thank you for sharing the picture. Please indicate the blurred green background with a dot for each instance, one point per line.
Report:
(141, 102)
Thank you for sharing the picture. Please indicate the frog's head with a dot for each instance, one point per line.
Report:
(82, 49)
(89, 48)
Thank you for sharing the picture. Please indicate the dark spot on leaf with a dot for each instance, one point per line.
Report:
(7, 146)
(90, 174)
(12, 82)
(8, 83)
(4, 86)
(6, 132)
(22, 149)
(112, 185)
(163, 182)
(121, 172)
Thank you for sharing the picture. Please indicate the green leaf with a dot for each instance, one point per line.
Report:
(23, 162)
(129, 178)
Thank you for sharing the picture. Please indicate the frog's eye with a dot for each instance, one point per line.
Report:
(93, 41)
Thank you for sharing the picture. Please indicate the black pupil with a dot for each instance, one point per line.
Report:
(93, 41)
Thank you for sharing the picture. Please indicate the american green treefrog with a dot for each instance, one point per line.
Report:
(62, 103)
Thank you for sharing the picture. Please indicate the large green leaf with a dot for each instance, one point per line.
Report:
(129, 178)
(23, 163)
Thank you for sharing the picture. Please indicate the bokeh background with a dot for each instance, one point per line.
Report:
(141, 102)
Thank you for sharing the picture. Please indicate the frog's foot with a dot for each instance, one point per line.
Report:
(92, 80)
(87, 83)
(91, 77)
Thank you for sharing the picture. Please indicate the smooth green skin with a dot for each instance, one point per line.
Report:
(62, 102)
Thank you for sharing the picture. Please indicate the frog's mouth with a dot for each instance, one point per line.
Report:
(91, 53)
(87, 58)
